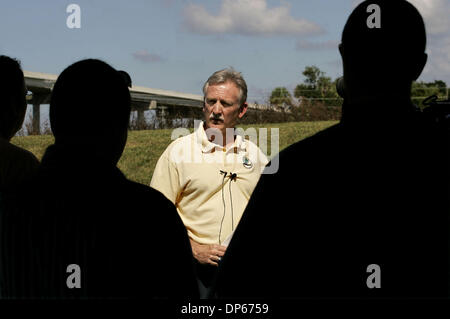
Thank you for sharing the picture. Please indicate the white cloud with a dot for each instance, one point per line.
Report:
(247, 17)
(436, 15)
(145, 56)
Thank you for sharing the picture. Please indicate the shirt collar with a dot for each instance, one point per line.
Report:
(207, 147)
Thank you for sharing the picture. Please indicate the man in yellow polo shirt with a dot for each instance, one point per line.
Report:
(210, 174)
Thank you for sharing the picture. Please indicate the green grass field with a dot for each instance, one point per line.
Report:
(144, 147)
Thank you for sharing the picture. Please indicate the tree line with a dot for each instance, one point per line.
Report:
(316, 98)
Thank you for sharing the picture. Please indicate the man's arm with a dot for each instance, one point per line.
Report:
(165, 177)
(207, 254)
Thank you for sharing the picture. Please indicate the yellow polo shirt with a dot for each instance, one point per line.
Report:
(197, 176)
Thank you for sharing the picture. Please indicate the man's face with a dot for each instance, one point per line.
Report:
(221, 106)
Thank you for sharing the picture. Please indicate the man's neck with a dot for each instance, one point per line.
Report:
(227, 139)
(381, 109)
(377, 99)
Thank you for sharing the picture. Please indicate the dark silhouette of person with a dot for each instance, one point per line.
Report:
(85, 231)
(359, 210)
(16, 164)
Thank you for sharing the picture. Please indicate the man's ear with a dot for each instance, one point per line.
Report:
(341, 52)
(420, 66)
(243, 109)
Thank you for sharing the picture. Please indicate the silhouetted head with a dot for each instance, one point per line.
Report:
(126, 77)
(383, 49)
(12, 97)
(90, 107)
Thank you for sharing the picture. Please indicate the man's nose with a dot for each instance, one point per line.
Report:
(217, 108)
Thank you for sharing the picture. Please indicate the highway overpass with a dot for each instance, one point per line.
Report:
(142, 98)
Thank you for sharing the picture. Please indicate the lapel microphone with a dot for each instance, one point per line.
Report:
(233, 176)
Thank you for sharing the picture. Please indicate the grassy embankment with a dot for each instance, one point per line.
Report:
(144, 147)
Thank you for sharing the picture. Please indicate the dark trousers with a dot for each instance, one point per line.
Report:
(206, 275)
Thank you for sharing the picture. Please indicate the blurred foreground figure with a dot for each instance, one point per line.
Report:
(359, 210)
(15, 163)
(85, 231)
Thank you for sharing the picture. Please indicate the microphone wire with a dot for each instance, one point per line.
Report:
(232, 178)
(224, 206)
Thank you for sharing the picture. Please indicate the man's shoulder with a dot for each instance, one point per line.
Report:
(179, 145)
(146, 193)
(182, 139)
(19, 156)
(16, 165)
(256, 153)
(149, 203)
(251, 145)
(313, 145)
(148, 197)
(297, 159)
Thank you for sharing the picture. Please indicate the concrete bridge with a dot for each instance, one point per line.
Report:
(164, 102)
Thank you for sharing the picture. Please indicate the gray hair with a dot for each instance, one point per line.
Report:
(228, 75)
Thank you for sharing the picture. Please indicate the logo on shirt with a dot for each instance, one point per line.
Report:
(247, 163)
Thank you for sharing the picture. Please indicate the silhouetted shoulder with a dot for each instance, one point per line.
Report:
(309, 148)
(163, 233)
(151, 200)
(152, 193)
(150, 205)
(16, 164)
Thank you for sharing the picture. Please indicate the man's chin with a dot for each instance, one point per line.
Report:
(217, 125)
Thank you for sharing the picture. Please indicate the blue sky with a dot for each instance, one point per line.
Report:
(177, 44)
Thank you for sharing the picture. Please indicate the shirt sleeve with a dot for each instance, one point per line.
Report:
(165, 178)
(263, 158)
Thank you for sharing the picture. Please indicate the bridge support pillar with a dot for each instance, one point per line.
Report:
(36, 119)
(161, 116)
(141, 118)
